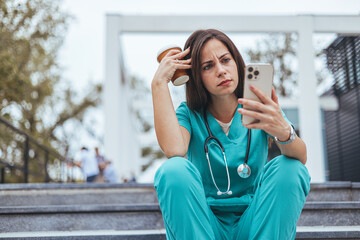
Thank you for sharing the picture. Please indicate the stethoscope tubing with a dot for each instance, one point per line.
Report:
(211, 137)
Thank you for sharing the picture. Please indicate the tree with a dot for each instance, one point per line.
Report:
(32, 94)
(280, 51)
(144, 124)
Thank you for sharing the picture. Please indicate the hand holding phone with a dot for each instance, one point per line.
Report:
(259, 75)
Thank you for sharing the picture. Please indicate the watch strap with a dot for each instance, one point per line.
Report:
(291, 138)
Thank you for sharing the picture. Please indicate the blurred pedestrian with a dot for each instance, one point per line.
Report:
(106, 168)
(88, 164)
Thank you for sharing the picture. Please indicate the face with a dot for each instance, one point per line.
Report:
(218, 69)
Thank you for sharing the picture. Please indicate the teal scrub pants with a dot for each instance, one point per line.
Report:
(273, 212)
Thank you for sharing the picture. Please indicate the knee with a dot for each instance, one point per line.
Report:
(289, 174)
(176, 173)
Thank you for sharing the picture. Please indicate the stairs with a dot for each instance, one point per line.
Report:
(131, 211)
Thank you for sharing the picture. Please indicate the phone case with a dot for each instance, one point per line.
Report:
(261, 76)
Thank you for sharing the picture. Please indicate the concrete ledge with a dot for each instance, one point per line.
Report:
(79, 208)
(332, 205)
(25, 186)
(145, 207)
(314, 232)
(100, 234)
(330, 214)
(77, 196)
(81, 221)
(331, 184)
(329, 235)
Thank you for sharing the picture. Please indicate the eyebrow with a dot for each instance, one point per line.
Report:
(211, 60)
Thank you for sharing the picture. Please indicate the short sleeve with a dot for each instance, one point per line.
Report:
(183, 116)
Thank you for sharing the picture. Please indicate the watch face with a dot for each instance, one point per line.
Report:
(292, 134)
(291, 139)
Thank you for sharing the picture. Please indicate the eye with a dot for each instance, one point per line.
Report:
(207, 67)
(225, 60)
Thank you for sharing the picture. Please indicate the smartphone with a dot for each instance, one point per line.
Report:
(261, 76)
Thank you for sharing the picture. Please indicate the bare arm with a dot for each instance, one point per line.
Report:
(173, 139)
(295, 149)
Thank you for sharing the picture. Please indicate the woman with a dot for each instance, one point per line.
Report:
(205, 198)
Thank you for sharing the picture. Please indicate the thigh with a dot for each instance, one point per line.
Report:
(183, 202)
(277, 203)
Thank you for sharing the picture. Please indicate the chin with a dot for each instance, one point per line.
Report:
(227, 92)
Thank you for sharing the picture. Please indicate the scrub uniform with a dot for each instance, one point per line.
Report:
(267, 205)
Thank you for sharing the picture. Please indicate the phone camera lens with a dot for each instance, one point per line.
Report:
(256, 73)
(250, 69)
(250, 76)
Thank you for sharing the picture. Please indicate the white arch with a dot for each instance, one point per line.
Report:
(120, 142)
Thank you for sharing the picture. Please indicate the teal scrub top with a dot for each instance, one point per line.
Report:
(235, 149)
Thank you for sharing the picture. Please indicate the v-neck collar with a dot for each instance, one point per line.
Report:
(217, 131)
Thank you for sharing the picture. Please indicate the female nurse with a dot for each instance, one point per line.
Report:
(202, 196)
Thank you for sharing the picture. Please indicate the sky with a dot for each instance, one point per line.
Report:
(82, 54)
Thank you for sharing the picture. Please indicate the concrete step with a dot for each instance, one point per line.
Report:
(327, 232)
(102, 193)
(308, 233)
(144, 216)
(89, 235)
(330, 214)
(73, 194)
(81, 217)
(334, 192)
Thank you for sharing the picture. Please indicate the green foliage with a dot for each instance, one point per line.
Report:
(280, 50)
(32, 96)
(142, 92)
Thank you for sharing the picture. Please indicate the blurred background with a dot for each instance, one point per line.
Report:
(53, 72)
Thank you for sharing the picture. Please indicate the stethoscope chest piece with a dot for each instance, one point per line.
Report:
(244, 170)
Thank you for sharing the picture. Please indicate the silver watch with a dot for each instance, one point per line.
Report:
(291, 139)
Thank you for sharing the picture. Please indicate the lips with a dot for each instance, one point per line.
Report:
(224, 83)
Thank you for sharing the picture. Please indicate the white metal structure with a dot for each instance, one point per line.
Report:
(120, 144)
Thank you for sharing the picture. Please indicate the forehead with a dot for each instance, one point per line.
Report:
(213, 48)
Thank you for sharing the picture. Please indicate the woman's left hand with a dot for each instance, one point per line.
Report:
(268, 113)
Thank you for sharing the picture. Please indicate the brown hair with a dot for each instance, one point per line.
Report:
(197, 97)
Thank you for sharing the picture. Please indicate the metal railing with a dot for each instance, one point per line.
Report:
(26, 160)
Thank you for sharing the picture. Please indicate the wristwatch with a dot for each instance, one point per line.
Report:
(291, 139)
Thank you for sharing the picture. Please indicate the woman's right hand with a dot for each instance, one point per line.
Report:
(169, 64)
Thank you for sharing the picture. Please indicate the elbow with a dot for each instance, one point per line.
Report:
(304, 160)
(171, 154)
(174, 152)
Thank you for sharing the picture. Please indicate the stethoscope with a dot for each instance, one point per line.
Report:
(243, 169)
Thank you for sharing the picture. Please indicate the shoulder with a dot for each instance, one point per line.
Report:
(184, 109)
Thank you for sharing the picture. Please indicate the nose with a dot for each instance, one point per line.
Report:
(220, 70)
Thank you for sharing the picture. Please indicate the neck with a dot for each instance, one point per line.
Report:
(223, 108)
